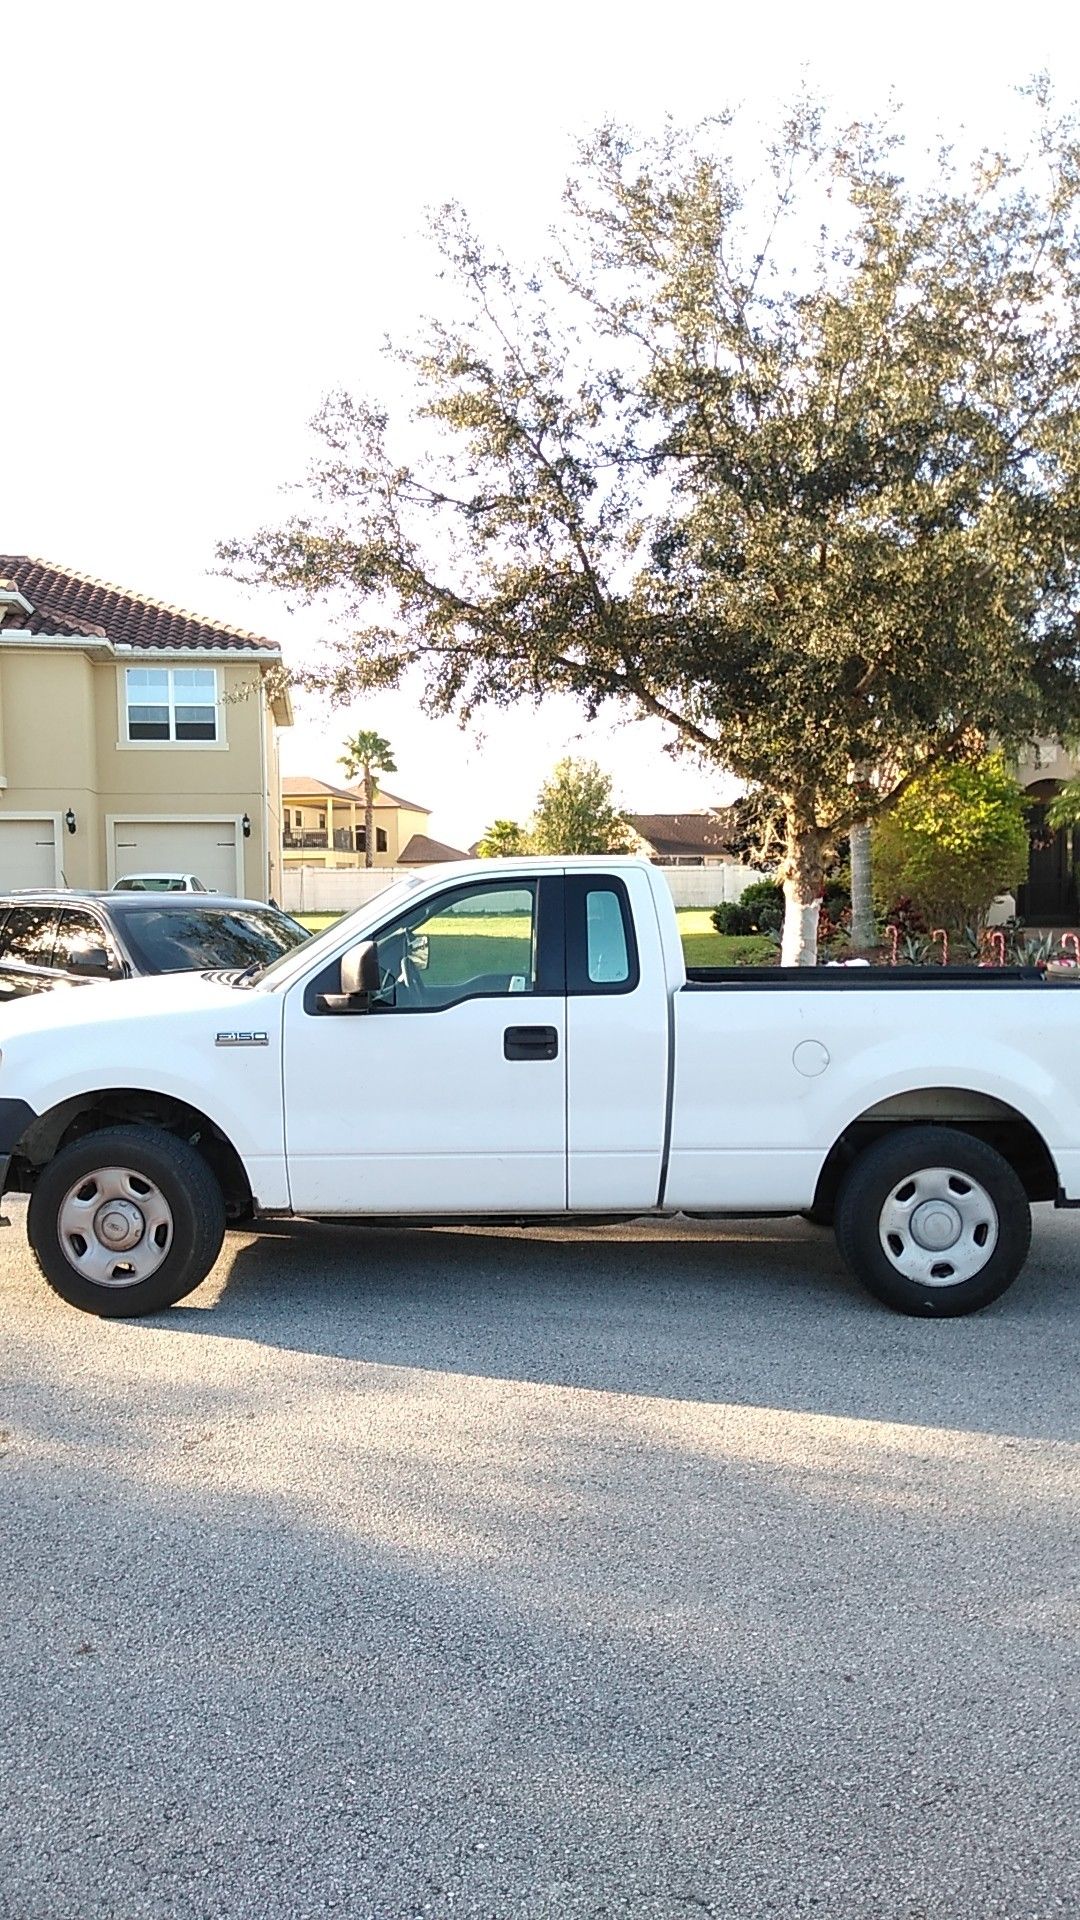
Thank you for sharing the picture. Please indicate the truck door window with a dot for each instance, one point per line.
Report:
(477, 940)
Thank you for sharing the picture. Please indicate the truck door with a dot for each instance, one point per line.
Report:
(617, 1041)
(448, 1095)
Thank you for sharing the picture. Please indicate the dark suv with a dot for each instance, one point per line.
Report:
(52, 938)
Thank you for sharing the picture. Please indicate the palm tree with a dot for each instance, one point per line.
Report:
(503, 837)
(367, 754)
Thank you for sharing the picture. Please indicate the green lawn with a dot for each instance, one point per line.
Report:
(702, 946)
(465, 946)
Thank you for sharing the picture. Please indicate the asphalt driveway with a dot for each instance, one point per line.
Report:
(634, 1574)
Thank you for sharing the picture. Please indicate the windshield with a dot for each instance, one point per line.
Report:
(357, 924)
(183, 939)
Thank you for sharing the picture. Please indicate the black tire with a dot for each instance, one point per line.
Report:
(182, 1179)
(819, 1215)
(882, 1171)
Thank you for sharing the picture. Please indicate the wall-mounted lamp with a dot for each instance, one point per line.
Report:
(70, 821)
(246, 826)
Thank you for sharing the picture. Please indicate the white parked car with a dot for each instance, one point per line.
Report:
(159, 883)
(522, 1041)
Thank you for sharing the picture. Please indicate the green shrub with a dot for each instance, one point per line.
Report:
(761, 908)
(763, 901)
(732, 917)
(957, 838)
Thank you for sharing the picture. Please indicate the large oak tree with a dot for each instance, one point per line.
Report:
(790, 462)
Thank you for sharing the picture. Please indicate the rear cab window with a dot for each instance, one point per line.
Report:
(601, 946)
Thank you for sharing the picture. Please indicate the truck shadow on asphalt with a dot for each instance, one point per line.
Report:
(759, 1312)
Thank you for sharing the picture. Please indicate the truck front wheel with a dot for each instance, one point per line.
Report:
(933, 1222)
(126, 1221)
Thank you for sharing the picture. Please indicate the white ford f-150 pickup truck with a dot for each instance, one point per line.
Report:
(521, 1041)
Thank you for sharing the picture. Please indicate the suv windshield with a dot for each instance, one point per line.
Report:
(182, 939)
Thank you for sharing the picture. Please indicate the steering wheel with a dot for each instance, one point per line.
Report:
(404, 983)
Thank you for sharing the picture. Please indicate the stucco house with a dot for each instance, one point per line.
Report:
(324, 825)
(134, 736)
(697, 838)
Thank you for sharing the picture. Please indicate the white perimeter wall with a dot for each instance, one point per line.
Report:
(321, 890)
(708, 886)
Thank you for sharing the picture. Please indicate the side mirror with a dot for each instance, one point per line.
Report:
(93, 964)
(360, 980)
(360, 969)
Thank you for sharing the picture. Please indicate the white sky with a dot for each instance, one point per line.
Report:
(213, 212)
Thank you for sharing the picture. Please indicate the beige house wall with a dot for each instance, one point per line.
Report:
(49, 712)
(48, 749)
(221, 777)
(62, 747)
(400, 823)
(270, 829)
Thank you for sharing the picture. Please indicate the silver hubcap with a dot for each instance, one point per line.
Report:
(115, 1227)
(938, 1227)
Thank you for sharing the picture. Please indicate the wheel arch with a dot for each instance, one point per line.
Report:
(85, 1113)
(985, 1116)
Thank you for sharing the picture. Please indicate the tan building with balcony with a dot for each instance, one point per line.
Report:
(324, 825)
(134, 737)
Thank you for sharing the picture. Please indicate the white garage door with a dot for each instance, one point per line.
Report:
(27, 854)
(206, 848)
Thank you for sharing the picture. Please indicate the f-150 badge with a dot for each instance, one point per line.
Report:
(242, 1040)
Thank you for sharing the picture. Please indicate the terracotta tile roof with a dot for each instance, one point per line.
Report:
(74, 604)
(422, 851)
(674, 836)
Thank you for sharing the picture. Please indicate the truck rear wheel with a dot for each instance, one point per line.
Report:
(126, 1221)
(933, 1222)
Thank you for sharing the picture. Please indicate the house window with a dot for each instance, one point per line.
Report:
(381, 841)
(172, 703)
